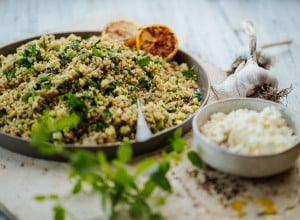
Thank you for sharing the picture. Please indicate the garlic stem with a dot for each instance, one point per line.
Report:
(250, 31)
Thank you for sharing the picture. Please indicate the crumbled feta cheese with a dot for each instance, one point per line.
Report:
(250, 132)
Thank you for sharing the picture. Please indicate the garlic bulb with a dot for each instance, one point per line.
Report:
(264, 59)
(248, 75)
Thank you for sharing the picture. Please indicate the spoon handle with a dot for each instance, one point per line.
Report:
(143, 131)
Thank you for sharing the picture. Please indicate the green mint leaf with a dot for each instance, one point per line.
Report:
(164, 167)
(59, 213)
(124, 152)
(10, 74)
(53, 196)
(161, 181)
(159, 177)
(40, 133)
(138, 208)
(102, 158)
(144, 61)
(40, 197)
(77, 187)
(82, 161)
(144, 165)
(160, 201)
(195, 159)
(148, 188)
(177, 143)
(155, 216)
(122, 177)
(68, 121)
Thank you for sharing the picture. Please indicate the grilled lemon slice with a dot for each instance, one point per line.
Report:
(121, 30)
(159, 40)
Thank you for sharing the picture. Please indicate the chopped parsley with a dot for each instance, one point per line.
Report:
(189, 74)
(98, 126)
(198, 95)
(144, 61)
(97, 52)
(74, 104)
(10, 74)
(106, 113)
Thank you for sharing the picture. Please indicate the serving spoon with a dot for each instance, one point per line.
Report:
(143, 131)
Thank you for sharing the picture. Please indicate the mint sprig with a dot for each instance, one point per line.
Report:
(117, 182)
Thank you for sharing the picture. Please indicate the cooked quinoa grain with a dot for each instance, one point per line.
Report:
(99, 81)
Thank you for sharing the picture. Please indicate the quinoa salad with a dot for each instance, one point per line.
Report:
(97, 80)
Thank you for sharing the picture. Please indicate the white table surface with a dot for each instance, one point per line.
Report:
(209, 29)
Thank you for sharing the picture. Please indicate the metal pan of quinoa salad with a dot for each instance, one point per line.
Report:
(96, 83)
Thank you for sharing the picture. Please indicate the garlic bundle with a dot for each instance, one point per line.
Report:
(248, 75)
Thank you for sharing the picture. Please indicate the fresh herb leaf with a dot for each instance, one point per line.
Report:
(10, 74)
(98, 126)
(97, 52)
(161, 181)
(159, 176)
(53, 197)
(195, 159)
(155, 216)
(74, 104)
(178, 143)
(117, 182)
(81, 161)
(111, 87)
(144, 165)
(32, 50)
(144, 61)
(189, 74)
(77, 187)
(41, 132)
(40, 197)
(142, 79)
(198, 95)
(74, 44)
(106, 113)
(138, 208)
(23, 61)
(27, 95)
(68, 121)
(59, 213)
(172, 110)
(149, 187)
(124, 152)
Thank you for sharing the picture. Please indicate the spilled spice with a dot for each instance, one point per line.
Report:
(268, 206)
(2, 166)
(219, 183)
(239, 207)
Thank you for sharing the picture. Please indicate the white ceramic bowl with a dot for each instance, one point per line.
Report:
(241, 164)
